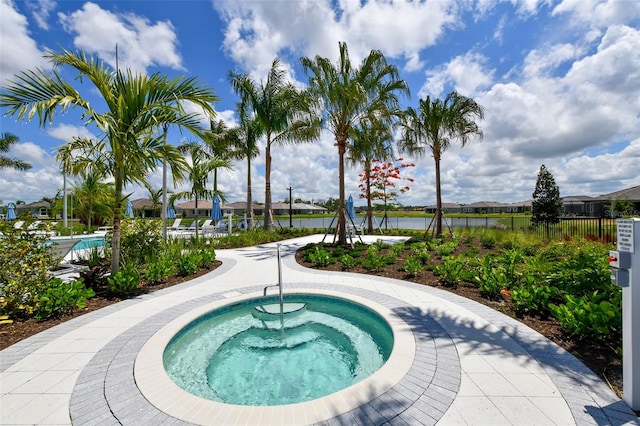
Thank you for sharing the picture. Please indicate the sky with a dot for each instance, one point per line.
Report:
(559, 82)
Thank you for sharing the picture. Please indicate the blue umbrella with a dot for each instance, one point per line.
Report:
(351, 210)
(128, 211)
(11, 211)
(171, 213)
(216, 212)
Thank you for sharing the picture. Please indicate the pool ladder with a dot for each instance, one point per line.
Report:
(279, 285)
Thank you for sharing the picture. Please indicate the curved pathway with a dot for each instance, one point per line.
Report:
(472, 365)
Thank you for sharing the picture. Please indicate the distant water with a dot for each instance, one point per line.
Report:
(397, 222)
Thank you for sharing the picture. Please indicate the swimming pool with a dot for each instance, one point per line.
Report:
(251, 353)
(84, 243)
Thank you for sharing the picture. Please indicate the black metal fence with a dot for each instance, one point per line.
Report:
(575, 227)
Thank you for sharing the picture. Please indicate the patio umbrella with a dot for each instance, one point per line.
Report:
(11, 211)
(216, 212)
(171, 213)
(128, 211)
(351, 210)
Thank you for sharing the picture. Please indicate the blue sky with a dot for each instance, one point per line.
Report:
(559, 82)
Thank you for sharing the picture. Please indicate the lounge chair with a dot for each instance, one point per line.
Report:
(176, 225)
(34, 226)
(18, 224)
(62, 249)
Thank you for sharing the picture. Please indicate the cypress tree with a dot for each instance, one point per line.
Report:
(546, 207)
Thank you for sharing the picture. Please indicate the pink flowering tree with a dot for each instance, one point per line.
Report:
(383, 183)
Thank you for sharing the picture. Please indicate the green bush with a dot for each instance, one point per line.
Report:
(188, 264)
(159, 270)
(207, 257)
(125, 281)
(488, 240)
(532, 299)
(58, 298)
(450, 272)
(447, 249)
(320, 257)
(26, 262)
(347, 262)
(491, 279)
(374, 261)
(140, 239)
(592, 316)
(413, 266)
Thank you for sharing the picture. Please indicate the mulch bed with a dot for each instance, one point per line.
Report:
(600, 358)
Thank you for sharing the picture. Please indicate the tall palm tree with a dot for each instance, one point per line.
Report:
(219, 144)
(279, 109)
(371, 141)
(6, 140)
(245, 140)
(198, 174)
(431, 128)
(350, 94)
(137, 105)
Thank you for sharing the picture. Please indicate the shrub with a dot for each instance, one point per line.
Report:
(125, 281)
(347, 262)
(188, 263)
(140, 239)
(532, 299)
(447, 249)
(26, 261)
(491, 279)
(159, 270)
(413, 266)
(58, 298)
(207, 257)
(320, 257)
(374, 261)
(488, 240)
(450, 271)
(590, 316)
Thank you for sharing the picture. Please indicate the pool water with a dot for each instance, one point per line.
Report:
(241, 355)
(83, 243)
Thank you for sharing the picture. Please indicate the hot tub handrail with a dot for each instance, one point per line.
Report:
(279, 284)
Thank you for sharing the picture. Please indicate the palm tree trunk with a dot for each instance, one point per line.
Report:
(342, 220)
(249, 197)
(438, 197)
(117, 217)
(268, 214)
(369, 207)
(198, 217)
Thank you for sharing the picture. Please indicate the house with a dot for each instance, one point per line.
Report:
(37, 210)
(602, 206)
(144, 207)
(446, 208)
(576, 205)
(485, 207)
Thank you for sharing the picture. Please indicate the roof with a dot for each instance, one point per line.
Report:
(141, 203)
(632, 193)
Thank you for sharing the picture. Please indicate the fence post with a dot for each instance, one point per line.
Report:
(600, 227)
(512, 224)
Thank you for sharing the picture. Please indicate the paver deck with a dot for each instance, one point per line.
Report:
(472, 365)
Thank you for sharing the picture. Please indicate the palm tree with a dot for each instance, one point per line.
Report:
(371, 141)
(137, 105)
(430, 130)
(6, 140)
(349, 95)
(279, 109)
(245, 141)
(219, 144)
(198, 173)
(93, 199)
(155, 195)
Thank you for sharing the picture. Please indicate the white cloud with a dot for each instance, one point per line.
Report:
(598, 13)
(140, 43)
(66, 132)
(256, 32)
(19, 51)
(41, 9)
(467, 74)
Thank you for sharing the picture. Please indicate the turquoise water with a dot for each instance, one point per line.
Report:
(84, 243)
(236, 355)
